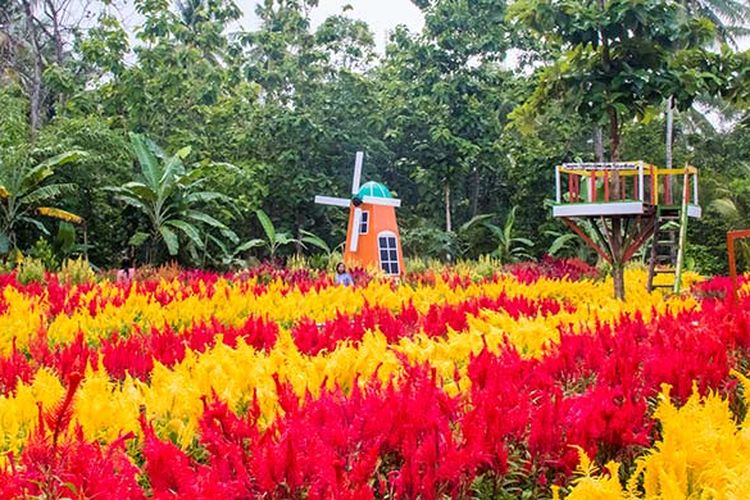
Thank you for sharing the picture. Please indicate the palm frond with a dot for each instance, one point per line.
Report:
(726, 207)
(48, 192)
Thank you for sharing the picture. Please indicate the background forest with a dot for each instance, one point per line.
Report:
(170, 139)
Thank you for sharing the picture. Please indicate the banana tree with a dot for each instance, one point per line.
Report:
(169, 195)
(24, 194)
(274, 240)
(509, 248)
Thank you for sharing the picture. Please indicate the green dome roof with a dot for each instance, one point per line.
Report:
(374, 189)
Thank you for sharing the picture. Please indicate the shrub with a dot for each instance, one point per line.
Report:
(76, 271)
(30, 270)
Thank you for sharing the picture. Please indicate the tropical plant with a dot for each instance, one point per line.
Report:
(273, 241)
(24, 194)
(732, 203)
(316, 241)
(509, 248)
(169, 195)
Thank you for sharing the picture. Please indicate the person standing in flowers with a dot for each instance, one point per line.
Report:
(126, 273)
(342, 275)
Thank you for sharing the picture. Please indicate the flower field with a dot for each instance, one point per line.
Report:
(277, 383)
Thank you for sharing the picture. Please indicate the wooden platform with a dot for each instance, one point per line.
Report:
(613, 209)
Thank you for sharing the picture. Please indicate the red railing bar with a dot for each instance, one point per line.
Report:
(606, 185)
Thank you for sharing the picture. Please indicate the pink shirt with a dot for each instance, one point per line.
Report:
(125, 276)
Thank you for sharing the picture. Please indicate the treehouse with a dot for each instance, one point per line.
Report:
(628, 204)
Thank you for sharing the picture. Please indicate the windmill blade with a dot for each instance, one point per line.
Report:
(357, 172)
(357, 223)
(330, 200)
(388, 202)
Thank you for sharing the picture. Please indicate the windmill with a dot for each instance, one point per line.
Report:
(372, 237)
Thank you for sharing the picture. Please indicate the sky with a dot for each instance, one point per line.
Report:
(381, 15)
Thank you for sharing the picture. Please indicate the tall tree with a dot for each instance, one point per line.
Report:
(619, 59)
(443, 111)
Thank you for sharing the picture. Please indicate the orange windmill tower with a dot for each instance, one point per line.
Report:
(372, 237)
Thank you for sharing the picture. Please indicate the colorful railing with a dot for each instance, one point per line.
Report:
(624, 181)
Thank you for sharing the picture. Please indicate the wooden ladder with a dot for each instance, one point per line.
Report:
(668, 243)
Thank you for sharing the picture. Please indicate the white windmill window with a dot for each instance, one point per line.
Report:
(364, 224)
(388, 250)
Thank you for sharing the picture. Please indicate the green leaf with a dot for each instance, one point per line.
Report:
(46, 168)
(285, 239)
(205, 218)
(138, 239)
(219, 244)
(36, 224)
(523, 241)
(170, 239)
(560, 242)
(250, 244)
(4, 243)
(315, 240)
(206, 196)
(188, 230)
(726, 207)
(265, 221)
(48, 192)
(474, 221)
(230, 235)
(140, 190)
(147, 160)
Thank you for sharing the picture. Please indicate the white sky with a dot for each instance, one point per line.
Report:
(381, 15)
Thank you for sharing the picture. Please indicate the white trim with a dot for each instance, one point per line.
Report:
(354, 243)
(558, 193)
(619, 165)
(593, 209)
(641, 187)
(357, 178)
(389, 234)
(331, 200)
(376, 200)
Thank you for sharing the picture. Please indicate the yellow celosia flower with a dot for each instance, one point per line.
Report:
(702, 454)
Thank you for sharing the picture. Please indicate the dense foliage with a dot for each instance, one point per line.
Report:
(466, 118)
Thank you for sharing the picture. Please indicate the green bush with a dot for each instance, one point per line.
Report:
(30, 270)
(43, 251)
(76, 272)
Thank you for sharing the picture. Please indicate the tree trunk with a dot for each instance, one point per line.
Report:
(614, 136)
(35, 93)
(668, 159)
(475, 195)
(55, 14)
(618, 276)
(598, 144)
(448, 223)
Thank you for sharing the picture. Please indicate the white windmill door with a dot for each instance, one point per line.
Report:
(388, 251)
